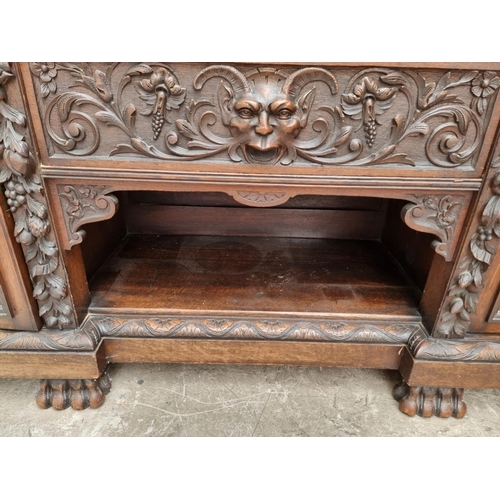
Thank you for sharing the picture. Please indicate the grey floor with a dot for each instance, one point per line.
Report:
(176, 400)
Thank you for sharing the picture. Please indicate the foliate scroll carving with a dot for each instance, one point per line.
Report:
(23, 191)
(82, 205)
(463, 294)
(437, 215)
(268, 115)
(249, 329)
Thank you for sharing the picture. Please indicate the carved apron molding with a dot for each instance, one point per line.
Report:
(248, 328)
(25, 197)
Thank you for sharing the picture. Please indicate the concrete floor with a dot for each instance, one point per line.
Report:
(176, 400)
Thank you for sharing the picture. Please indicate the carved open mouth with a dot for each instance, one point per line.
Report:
(271, 155)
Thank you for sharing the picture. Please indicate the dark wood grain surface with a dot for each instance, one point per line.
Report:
(284, 275)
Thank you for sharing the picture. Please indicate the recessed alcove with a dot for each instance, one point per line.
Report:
(179, 253)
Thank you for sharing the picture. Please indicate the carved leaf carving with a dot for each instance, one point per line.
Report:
(235, 328)
(32, 230)
(467, 286)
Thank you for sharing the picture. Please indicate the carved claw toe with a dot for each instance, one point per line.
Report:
(77, 393)
(429, 401)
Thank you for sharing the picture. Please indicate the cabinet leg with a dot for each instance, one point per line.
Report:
(77, 393)
(429, 401)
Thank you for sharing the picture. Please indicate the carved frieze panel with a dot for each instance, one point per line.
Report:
(433, 119)
(24, 194)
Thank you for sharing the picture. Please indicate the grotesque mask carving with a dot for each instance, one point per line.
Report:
(265, 109)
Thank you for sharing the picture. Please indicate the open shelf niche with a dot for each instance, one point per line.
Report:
(205, 255)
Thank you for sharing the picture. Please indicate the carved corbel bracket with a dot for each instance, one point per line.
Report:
(82, 205)
(438, 215)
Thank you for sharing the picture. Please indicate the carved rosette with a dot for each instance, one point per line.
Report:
(82, 205)
(23, 191)
(483, 87)
(268, 115)
(436, 214)
(463, 294)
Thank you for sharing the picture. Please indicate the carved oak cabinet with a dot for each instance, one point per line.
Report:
(330, 214)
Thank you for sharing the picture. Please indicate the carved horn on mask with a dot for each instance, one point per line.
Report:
(236, 79)
(296, 81)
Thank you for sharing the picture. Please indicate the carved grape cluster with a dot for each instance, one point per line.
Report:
(484, 233)
(370, 128)
(158, 121)
(15, 193)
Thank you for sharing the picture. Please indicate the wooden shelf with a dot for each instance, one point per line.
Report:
(157, 274)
